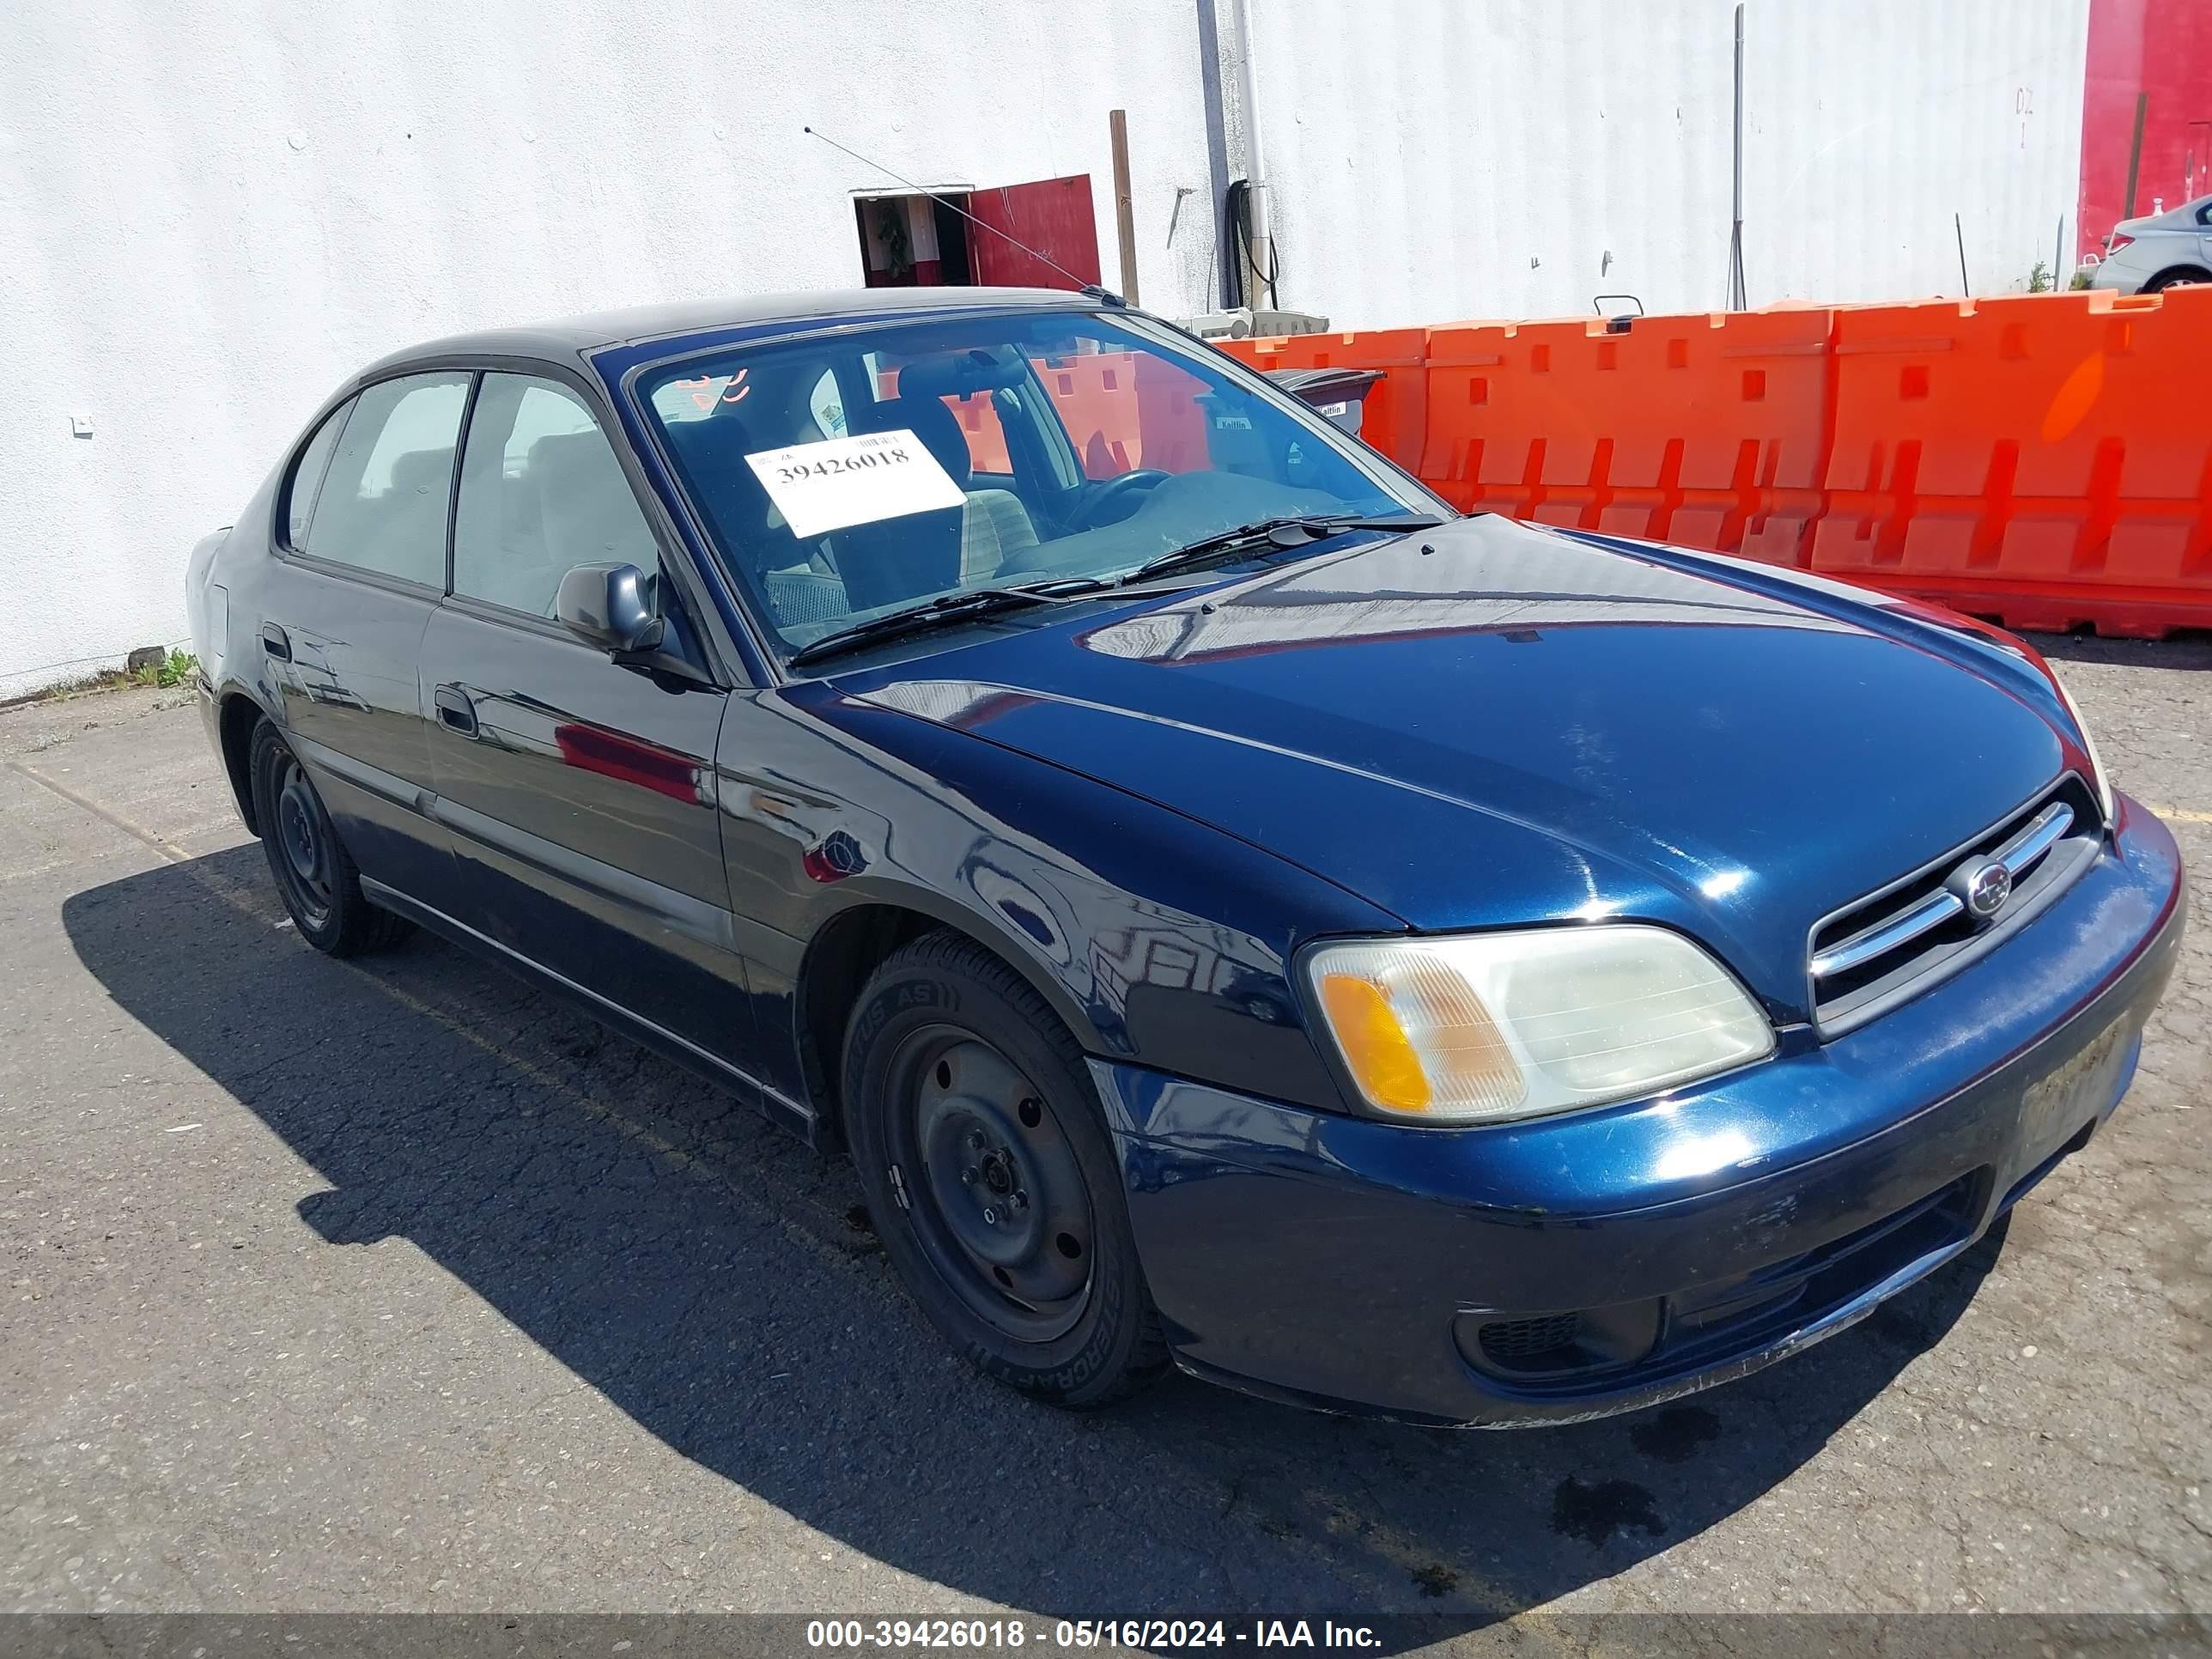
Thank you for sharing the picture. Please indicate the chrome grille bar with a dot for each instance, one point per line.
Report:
(2044, 831)
(2019, 855)
(1882, 939)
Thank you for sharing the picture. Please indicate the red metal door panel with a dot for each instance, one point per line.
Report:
(1053, 216)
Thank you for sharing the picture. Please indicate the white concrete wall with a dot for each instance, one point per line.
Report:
(1502, 149)
(212, 211)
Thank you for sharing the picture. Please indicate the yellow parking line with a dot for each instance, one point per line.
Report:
(2177, 815)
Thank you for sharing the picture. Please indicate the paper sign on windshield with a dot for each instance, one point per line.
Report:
(847, 480)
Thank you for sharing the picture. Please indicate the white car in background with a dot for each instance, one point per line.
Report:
(2160, 251)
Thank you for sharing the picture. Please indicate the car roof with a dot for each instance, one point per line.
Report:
(578, 335)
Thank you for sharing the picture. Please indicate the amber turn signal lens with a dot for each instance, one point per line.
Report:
(1375, 1045)
(1483, 1028)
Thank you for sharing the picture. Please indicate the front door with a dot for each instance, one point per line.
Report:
(579, 794)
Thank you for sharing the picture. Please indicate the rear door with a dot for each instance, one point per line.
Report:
(579, 794)
(1054, 216)
(360, 568)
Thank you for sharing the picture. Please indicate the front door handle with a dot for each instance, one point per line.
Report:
(275, 643)
(455, 709)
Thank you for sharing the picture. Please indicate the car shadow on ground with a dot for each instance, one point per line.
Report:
(709, 1276)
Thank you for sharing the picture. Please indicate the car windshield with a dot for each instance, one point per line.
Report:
(867, 472)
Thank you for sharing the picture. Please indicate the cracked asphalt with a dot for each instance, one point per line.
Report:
(398, 1286)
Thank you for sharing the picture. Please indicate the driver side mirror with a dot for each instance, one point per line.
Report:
(604, 605)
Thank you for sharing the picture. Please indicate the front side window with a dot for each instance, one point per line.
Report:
(541, 493)
(382, 505)
(855, 474)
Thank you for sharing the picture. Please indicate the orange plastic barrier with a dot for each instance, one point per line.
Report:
(1126, 409)
(979, 424)
(1121, 409)
(1703, 430)
(2046, 459)
(2048, 463)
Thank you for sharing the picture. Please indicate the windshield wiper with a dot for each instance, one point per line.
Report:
(1290, 530)
(944, 609)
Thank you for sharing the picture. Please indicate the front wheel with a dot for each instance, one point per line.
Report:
(991, 1178)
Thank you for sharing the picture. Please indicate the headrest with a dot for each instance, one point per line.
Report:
(558, 452)
(420, 471)
(962, 373)
(929, 420)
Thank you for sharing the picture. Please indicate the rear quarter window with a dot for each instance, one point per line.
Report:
(306, 479)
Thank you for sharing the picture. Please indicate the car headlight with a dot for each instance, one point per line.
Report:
(1485, 1027)
(2104, 784)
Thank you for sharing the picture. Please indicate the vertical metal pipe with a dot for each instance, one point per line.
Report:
(1959, 230)
(1737, 300)
(1256, 166)
(1222, 264)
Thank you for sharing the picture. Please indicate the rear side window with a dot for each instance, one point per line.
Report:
(307, 477)
(541, 493)
(384, 499)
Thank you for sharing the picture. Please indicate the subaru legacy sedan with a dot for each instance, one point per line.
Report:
(1236, 913)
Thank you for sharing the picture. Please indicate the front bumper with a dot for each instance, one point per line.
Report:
(1348, 1263)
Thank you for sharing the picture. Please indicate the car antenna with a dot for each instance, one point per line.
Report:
(1104, 296)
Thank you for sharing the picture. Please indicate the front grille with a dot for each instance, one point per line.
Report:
(1895, 943)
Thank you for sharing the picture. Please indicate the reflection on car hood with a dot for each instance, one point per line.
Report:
(1489, 723)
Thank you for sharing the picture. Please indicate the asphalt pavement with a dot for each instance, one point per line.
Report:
(398, 1287)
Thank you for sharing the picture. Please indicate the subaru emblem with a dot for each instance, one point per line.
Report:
(1988, 887)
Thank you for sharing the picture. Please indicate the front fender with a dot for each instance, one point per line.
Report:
(1160, 941)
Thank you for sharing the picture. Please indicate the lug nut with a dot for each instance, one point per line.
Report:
(990, 1217)
(967, 1177)
(1021, 1201)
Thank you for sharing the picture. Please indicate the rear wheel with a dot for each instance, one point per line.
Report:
(2179, 276)
(314, 873)
(991, 1178)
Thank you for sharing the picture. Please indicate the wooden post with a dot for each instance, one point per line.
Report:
(2135, 159)
(1124, 210)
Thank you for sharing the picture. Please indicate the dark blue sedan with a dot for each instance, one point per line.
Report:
(1236, 913)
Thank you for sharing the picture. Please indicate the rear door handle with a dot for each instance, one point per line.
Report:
(455, 709)
(275, 643)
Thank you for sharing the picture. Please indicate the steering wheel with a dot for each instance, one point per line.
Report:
(1113, 489)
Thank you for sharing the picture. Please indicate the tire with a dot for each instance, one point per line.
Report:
(314, 872)
(2179, 276)
(991, 1178)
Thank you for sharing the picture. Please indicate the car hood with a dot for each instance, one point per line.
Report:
(1490, 723)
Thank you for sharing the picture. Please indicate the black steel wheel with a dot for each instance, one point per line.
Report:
(991, 1178)
(1007, 1220)
(315, 875)
(305, 844)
